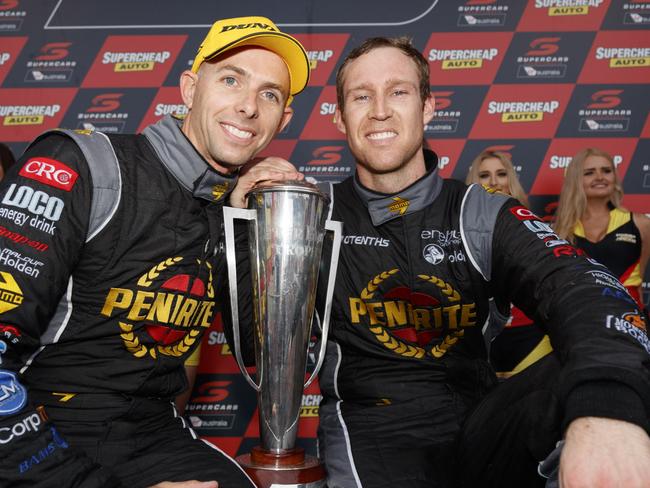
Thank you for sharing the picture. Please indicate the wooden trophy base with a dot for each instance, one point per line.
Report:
(286, 469)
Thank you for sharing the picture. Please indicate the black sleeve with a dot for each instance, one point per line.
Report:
(44, 211)
(595, 327)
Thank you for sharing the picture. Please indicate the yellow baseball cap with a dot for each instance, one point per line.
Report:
(256, 31)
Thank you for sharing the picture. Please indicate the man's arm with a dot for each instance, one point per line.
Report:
(597, 332)
(44, 212)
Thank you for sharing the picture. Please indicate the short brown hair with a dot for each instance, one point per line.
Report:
(404, 44)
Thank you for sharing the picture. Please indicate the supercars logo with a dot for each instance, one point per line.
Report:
(412, 324)
(544, 46)
(106, 102)
(399, 205)
(54, 51)
(49, 172)
(174, 314)
(604, 99)
(11, 296)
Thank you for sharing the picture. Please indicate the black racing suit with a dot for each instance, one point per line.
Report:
(424, 282)
(96, 323)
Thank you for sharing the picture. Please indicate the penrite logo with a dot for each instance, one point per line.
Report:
(605, 99)
(54, 51)
(174, 311)
(106, 102)
(544, 46)
(412, 324)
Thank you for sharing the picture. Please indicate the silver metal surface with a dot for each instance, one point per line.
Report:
(285, 244)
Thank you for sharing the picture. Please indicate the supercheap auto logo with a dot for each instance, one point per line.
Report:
(320, 125)
(522, 111)
(174, 308)
(11, 47)
(118, 63)
(563, 15)
(618, 57)
(167, 101)
(465, 58)
(25, 113)
(560, 153)
(412, 324)
(323, 52)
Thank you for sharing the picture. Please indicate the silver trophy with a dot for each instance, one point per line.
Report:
(286, 233)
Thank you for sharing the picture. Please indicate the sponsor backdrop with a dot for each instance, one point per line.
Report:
(539, 79)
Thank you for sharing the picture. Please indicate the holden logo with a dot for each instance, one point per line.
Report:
(433, 253)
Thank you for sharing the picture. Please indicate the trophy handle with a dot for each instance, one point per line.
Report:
(337, 228)
(229, 215)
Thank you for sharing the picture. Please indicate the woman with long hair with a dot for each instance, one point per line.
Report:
(495, 169)
(521, 343)
(591, 217)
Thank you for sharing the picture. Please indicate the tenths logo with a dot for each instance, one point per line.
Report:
(412, 324)
(567, 7)
(462, 58)
(27, 114)
(11, 296)
(135, 61)
(174, 311)
(624, 57)
(522, 111)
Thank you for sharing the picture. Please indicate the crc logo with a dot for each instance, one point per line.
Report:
(544, 46)
(523, 214)
(50, 172)
(212, 392)
(37, 202)
(54, 51)
(106, 102)
(605, 99)
(442, 99)
(326, 155)
(8, 4)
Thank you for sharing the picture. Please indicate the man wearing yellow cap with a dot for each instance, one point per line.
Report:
(110, 262)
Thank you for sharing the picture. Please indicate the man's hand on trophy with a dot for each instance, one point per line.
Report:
(258, 170)
(187, 484)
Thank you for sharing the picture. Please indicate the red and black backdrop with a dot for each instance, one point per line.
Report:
(539, 79)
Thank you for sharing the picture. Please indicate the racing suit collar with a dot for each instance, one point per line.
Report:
(383, 207)
(183, 161)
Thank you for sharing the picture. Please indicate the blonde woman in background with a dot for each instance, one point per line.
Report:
(590, 216)
(521, 343)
